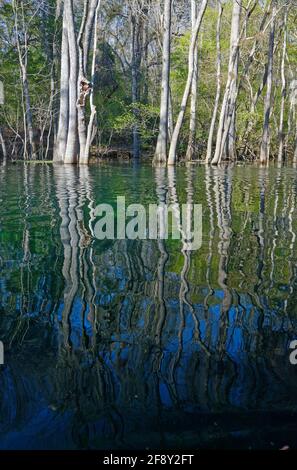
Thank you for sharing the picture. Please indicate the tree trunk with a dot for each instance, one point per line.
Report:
(170, 117)
(72, 137)
(85, 160)
(233, 67)
(218, 93)
(89, 26)
(29, 118)
(229, 101)
(55, 56)
(74, 85)
(161, 148)
(193, 111)
(136, 33)
(284, 91)
(265, 145)
(23, 59)
(91, 11)
(60, 148)
(82, 83)
(49, 42)
(255, 96)
(295, 146)
(3, 146)
(180, 119)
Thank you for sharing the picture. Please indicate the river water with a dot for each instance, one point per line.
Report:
(140, 344)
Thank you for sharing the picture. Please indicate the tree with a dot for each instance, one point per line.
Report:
(284, 90)
(138, 12)
(73, 142)
(84, 86)
(60, 147)
(74, 91)
(161, 148)
(191, 67)
(193, 110)
(92, 105)
(71, 152)
(20, 29)
(227, 149)
(218, 92)
(265, 144)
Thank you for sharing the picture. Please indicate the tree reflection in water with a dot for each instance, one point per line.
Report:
(123, 343)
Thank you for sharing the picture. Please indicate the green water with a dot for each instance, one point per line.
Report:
(139, 344)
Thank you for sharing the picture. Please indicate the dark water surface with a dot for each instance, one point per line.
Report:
(140, 344)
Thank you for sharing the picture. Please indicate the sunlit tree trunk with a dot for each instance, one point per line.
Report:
(93, 7)
(175, 137)
(60, 148)
(193, 111)
(227, 149)
(82, 83)
(233, 67)
(91, 124)
(74, 140)
(84, 87)
(265, 144)
(71, 154)
(295, 145)
(3, 147)
(218, 93)
(284, 91)
(161, 148)
(170, 118)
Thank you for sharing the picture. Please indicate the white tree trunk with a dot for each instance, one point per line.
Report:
(71, 154)
(92, 7)
(180, 119)
(60, 148)
(23, 60)
(85, 159)
(295, 146)
(84, 87)
(193, 110)
(161, 148)
(228, 105)
(3, 146)
(233, 67)
(72, 134)
(284, 90)
(170, 117)
(265, 144)
(81, 108)
(218, 93)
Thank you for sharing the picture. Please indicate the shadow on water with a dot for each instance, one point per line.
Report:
(144, 344)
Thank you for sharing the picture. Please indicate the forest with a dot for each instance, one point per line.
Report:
(159, 81)
(127, 342)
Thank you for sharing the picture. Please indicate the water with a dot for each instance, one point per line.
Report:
(139, 344)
